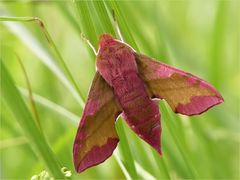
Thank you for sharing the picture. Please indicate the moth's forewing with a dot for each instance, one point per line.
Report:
(96, 136)
(185, 93)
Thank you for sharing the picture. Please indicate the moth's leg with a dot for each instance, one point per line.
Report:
(117, 29)
(89, 43)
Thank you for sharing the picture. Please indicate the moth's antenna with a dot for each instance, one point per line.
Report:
(89, 43)
(117, 26)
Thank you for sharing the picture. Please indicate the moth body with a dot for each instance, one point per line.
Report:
(116, 63)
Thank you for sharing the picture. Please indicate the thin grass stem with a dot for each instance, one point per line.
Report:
(51, 43)
(33, 105)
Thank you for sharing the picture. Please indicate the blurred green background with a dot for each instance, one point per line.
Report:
(201, 37)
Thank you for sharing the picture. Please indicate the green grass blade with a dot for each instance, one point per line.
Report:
(180, 144)
(12, 97)
(113, 5)
(11, 142)
(34, 108)
(161, 165)
(124, 150)
(66, 12)
(120, 162)
(217, 44)
(86, 22)
(32, 43)
(143, 173)
(50, 105)
(103, 17)
(18, 29)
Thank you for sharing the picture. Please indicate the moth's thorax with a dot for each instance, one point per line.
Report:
(114, 59)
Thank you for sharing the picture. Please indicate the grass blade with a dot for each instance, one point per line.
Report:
(12, 97)
(66, 12)
(31, 42)
(103, 17)
(113, 5)
(51, 43)
(16, 141)
(217, 43)
(179, 143)
(86, 22)
(51, 106)
(125, 151)
(141, 171)
(34, 108)
(122, 166)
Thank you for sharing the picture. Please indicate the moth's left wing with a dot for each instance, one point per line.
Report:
(96, 136)
(184, 92)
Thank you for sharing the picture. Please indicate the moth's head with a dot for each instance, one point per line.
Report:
(106, 40)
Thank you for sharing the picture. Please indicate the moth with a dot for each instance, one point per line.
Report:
(126, 83)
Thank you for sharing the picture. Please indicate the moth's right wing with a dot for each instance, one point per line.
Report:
(96, 137)
(184, 92)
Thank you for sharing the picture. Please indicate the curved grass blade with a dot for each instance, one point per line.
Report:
(32, 43)
(34, 108)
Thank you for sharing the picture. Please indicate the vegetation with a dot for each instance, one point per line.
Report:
(197, 36)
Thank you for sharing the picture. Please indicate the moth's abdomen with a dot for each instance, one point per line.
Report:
(141, 113)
